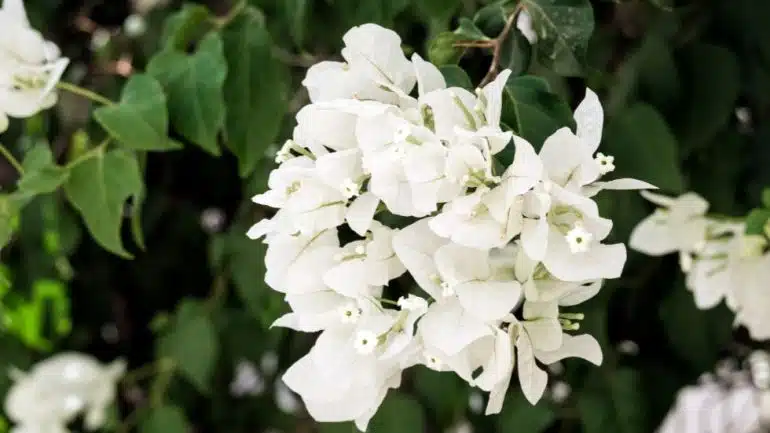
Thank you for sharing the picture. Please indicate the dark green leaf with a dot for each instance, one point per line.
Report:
(442, 49)
(680, 316)
(520, 416)
(455, 76)
(710, 107)
(614, 403)
(440, 10)
(192, 343)
(297, 12)
(186, 26)
(644, 148)
(98, 188)
(532, 110)
(255, 89)
(766, 198)
(445, 396)
(165, 419)
(491, 18)
(468, 31)
(398, 414)
(564, 28)
(140, 120)
(515, 53)
(194, 87)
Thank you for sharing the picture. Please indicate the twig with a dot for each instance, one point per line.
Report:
(497, 45)
(475, 44)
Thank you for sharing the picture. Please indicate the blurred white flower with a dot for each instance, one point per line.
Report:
(56, 390)
(247, 380)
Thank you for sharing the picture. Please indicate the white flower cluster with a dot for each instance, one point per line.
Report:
(30, 66)
(483, 243)
(720, 260)
(56, 390)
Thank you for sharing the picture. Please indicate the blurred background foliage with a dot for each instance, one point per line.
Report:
(686, 86)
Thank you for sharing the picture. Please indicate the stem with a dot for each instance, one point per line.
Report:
(98, 149)
(219, 23)
(145, 371)
(218, 290)
(11, 159)
(80, 91)
(497, 45)
(129, 422)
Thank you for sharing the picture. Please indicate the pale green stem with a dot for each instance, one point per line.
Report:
(11, 159)
(80, 91)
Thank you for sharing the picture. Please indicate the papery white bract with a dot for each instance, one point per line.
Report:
(384, 134)
(56, 390)
(30, 66)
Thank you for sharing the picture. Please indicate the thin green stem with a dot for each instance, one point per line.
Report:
(12, 159)
(234, 12)
(96, 150)
(148, 370)
(80, 91)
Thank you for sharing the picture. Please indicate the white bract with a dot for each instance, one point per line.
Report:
(720, 260)
(497, 252)
(30, 66)
(56, 390)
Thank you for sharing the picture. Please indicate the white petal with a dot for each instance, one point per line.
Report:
(493, 93)
(599, 262)
(429, 78)
(533, 380)
(544, 333)
(459, 264)
(332, 128)
(526, 169)
(617, 184)
(415, 245)
(658, 199)
(579, 346)
(15, 10)
(581, 294)
(567, 161)
(361, 212)
(489, 300)
(534, 238)
(377, 52)
(449, 328)
(589, 117)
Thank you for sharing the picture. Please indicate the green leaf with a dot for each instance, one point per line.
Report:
(255, 89)
(455, 76)
(491, 18)
(446, 397)
(710, 107)
(439, 10)
(165, 419)
(140, 120)
(614, 402)
(756, 220)
(515, 53)
(766, 198)
(185, 26)
(192, 343)
(519, 416)
(532, 110)
(442, 50)
(41, 174)
(564, 28)
(467, 30)
(644, 148)
(98, 188)
(194, 86)
(680, 316)
(297, 12)
(398, 414)
(9, 217)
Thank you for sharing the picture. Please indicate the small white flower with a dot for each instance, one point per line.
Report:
(365, 342)
(349, 313)
(412, 303)
(579, 239)
(360, 250)
(606, 162)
